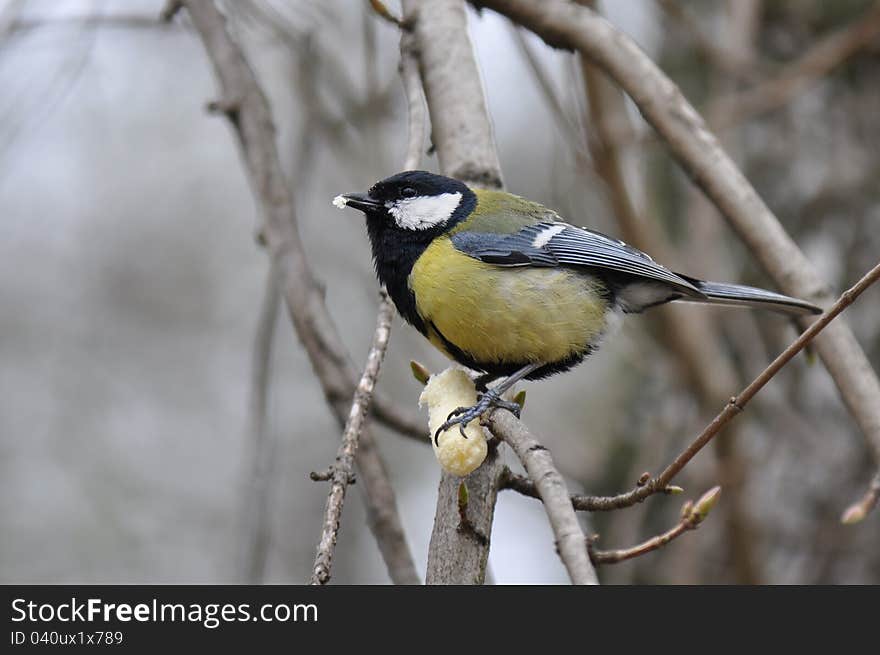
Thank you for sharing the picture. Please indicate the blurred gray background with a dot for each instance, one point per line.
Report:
(130, 287)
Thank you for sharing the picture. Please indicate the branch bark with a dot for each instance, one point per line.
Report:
(570, 26)
(570, 540)
(461, 129)
(247, 109)
(343, 470)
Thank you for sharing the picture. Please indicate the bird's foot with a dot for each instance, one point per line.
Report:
(461, 416)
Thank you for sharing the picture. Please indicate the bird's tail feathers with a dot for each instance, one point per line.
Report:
(721, 293)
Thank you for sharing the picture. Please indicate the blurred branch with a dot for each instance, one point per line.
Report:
(570, 540)
(725, 59)
(342, 471)
(567, 25)
(692, 515)
(563, 121)
(247, 109)
(256, 516)
(793, 79)
(799, 75)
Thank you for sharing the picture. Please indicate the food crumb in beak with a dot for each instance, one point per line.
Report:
(340, 202)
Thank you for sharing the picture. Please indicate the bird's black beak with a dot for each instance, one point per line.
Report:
(362, 201)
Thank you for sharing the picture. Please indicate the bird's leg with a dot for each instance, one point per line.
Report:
(482, 382)
(491, 398)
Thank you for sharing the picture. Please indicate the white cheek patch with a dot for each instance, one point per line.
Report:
(543, 237)
(424, 212)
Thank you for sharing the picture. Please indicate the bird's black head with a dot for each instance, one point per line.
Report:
(414, 201)
(405, 213)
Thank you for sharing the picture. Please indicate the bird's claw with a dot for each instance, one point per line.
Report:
(461, 416)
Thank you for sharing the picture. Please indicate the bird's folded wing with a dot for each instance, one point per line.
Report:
(561, 244)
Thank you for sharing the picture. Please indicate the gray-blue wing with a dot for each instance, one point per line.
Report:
(561, 244)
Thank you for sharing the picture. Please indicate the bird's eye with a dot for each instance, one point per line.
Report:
(407, 192)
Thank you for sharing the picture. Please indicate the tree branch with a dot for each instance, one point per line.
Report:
(570, 540)
(523, 485)
(570, 26)
(246, 106)
(343, 469)
(692, 515)
(460, 126)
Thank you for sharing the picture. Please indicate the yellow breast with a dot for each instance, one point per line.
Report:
(506, 315)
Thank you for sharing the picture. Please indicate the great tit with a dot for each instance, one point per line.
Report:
(505, 287)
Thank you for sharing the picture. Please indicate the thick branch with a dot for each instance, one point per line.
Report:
(343, 469)
(460, 126)
(246, 106)
(570, 26)
(570, 540)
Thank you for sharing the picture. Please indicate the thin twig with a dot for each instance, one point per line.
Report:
(738, 403)
(247, 109)
(256, 518)
(554, 494)
(564, 122)
(341, 472)
(582, 503)
(857, 512)
(692, 515)
(343, 469)
(417, 113)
